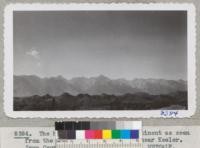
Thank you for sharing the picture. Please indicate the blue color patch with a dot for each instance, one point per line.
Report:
(134, 134)
(125, 134)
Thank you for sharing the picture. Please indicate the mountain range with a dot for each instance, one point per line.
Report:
(30, 85)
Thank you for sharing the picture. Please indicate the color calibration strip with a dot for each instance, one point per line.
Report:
(99, 130)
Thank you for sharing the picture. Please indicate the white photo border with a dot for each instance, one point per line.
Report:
(8, 60)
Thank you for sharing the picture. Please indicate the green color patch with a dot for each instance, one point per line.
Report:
(116, 134)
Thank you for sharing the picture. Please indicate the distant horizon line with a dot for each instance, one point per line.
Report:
(100, 75)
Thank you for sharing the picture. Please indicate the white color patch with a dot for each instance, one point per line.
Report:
(80, 134)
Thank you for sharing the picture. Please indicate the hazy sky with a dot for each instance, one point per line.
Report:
(123, 44)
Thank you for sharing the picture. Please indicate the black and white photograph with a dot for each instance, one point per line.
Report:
(100, 60)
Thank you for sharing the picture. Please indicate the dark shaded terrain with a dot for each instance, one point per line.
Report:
(136, 101)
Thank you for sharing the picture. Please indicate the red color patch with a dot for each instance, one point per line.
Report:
(98, 134)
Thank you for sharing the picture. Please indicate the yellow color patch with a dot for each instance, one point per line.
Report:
(106, 134)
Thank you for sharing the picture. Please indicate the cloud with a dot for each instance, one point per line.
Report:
(39, 64)
(34, 53)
